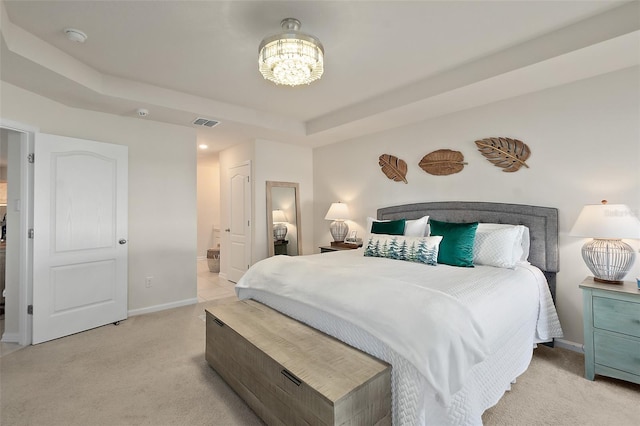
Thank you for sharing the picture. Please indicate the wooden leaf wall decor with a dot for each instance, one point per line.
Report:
(393, 167)
(442, 162)
(510, 154)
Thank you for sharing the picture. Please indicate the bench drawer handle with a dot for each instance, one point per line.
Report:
(291, 377)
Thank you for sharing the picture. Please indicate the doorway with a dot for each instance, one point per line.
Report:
(16, 143)
(210, 285)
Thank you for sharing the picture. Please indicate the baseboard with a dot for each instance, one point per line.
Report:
(156, 308)
(10, 338)
(223, 276)
(572, 346)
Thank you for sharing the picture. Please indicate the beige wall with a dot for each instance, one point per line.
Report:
(162, 191)
(208, 203)
(585, 143)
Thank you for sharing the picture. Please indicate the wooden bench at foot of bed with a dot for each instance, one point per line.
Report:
(289, 373)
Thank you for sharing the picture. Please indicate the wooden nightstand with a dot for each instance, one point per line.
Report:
(280, 247)
(611, 330)
(327, 249)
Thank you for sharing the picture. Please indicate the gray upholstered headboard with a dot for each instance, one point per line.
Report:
(541, 221)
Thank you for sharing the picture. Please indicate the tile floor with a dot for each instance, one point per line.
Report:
(210, 285)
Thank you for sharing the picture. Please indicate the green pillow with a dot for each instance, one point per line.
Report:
(392, 227)
(456, 248)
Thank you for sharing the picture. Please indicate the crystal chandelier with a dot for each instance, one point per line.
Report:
(291, 58)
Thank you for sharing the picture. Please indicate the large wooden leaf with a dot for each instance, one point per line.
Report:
(510, 154)
(393, 167)
(442, 162)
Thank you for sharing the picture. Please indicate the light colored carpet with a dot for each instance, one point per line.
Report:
(150, 370)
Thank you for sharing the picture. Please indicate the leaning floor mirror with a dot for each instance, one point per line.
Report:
(283, 218)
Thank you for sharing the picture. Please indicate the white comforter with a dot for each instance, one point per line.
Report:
(442, 320)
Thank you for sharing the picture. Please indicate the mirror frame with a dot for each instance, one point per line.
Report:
(296, 192)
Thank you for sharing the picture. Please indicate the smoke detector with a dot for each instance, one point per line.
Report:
(142, 112)
(205, 122)
(75, 35)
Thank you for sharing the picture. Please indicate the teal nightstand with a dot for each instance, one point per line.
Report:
(611, 330)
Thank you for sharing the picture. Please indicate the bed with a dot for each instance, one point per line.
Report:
(456, 337)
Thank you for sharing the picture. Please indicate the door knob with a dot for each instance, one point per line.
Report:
(227, 230)
(122, 241)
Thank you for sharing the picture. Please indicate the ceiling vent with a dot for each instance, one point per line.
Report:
(205, 122)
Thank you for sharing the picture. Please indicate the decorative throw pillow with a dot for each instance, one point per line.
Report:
(417, 227)
(392, 227)
(456, 248)
(413, 227)
(412, 249)
(501, 245)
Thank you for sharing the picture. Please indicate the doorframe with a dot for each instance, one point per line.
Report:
(25, 293)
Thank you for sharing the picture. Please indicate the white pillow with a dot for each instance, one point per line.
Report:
(523, 250)
(500, 245)
(412, 228)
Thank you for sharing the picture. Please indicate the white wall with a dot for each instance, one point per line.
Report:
(208, 203)
(276, 161)
(585, 143)
(162, 191)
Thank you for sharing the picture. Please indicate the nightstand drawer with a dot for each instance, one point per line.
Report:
(616, 315)
(617, 352)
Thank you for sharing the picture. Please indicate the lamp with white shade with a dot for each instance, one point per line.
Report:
(338, 213)
(607, 256)
(279, 225)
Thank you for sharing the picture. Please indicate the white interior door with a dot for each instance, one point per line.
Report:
(80, 235)
(240, 222)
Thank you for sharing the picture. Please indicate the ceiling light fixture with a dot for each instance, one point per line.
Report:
(75, 35)
(291, 58)
(203, 146)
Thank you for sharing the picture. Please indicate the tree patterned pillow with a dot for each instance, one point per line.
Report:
(412, 249)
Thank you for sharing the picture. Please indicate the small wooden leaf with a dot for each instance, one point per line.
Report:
(393, 167)
(443, 162)
(510, 154)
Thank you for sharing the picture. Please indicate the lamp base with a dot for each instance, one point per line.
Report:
(339, 230)
(279, 231)
(608, 260)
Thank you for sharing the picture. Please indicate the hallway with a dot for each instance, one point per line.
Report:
(210, 285)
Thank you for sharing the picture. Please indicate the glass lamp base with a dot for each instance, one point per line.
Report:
(339, 230)
(279, 231)
(608, 260)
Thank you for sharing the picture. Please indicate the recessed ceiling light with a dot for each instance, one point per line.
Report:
(203, 146)
(75, 35)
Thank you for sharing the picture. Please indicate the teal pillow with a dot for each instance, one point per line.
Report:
(392, 227)
(456, 248)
